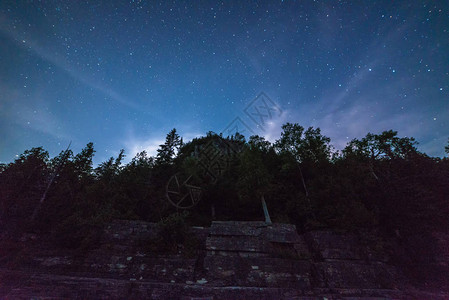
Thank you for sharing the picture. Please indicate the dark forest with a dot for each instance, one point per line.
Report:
(380, 185)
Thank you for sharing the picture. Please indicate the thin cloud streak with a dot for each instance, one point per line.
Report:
(274, 127)
(61, 63)
(16, 110)
(134, 144)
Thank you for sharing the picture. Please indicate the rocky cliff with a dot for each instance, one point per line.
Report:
(229, 260)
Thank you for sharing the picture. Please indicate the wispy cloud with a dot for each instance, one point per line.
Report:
(16, 110)
(135, 143)
(274, 127)
(59, 61)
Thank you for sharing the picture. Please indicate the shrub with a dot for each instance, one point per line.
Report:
(172, 231)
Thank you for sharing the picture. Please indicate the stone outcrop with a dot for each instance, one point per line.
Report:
(232, 260)
(242, 254)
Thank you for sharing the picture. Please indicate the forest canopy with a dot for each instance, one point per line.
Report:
(380, 182)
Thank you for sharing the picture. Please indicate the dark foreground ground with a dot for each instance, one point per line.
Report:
(229, 260)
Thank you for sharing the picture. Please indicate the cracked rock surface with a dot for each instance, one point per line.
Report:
(233, 260)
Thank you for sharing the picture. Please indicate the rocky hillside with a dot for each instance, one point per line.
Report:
(229, 260)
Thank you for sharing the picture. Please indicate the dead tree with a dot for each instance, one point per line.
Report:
(61, 163)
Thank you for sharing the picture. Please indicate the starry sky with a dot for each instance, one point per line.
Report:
(121, 74)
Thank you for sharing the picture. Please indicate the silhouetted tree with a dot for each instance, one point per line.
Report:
(384, 146)
(254, 178)
(82, 162)
(56, 170)
(111, 168)
(22, 183)
(446, 148)
(303, 148)
(167, 151)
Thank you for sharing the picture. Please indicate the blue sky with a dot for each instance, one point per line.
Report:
(122, 74)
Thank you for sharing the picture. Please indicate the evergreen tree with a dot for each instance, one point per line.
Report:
(82, 162)
(167, 151)
(446, 148)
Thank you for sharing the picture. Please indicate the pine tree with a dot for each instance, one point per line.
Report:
(167, 151)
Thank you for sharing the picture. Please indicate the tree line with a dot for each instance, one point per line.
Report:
(379, 183)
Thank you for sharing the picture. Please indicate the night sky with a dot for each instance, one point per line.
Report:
(122, 74)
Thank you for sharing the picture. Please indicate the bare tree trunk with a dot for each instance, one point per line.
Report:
(44, 195)
(303, 182)
(306, 191)
(265, 211)
(371, 168)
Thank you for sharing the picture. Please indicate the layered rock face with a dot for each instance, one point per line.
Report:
(253, 254)
(231, 260)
